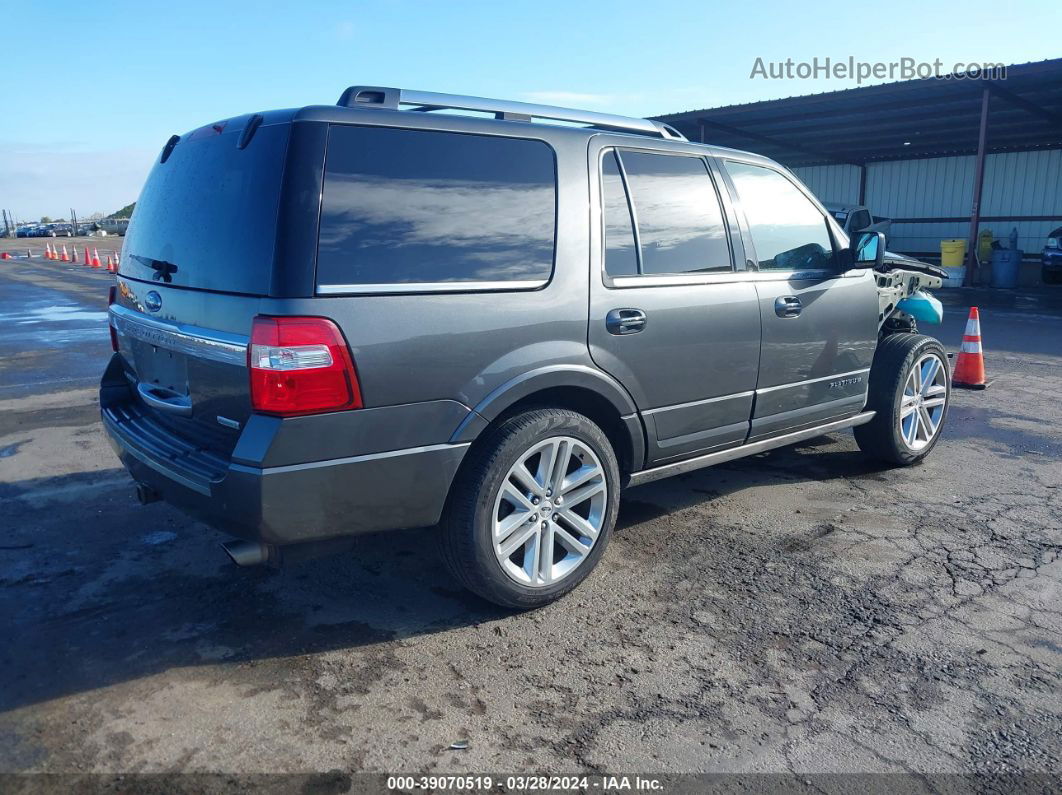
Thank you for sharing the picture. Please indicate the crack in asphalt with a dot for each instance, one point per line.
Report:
(797, 612)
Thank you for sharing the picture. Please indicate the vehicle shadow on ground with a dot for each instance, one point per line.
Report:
(808, 461)
(111, 592)
(116, 592)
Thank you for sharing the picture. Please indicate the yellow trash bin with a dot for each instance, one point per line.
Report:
(984, 245)
(952, 253)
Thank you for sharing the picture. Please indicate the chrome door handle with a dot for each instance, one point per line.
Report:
(165, 399)
(625, 321)
(787, 306)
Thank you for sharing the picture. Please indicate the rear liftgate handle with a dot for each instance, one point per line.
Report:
(165, 399)
(625, 321)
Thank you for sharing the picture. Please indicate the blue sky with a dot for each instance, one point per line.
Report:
(95, 89)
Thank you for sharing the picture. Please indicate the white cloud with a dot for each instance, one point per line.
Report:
(49, 179)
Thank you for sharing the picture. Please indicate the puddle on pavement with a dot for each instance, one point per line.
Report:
(52, 313)
(50, 322)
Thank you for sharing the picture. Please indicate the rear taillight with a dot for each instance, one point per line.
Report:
(112, 296)
(300, 365)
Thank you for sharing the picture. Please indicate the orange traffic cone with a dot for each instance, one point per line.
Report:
(88, 259)
(47, 250)
(970, 365)
(95, 258)
(109, 264)
(66, 256)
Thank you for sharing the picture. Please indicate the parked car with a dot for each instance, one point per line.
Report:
(855, 218)
(1051, 258)
(489, 324)
(25, 231)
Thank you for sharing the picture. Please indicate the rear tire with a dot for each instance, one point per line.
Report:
(556, 520)
(910, 407)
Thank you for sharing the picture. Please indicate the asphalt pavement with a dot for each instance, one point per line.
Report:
(800, 612)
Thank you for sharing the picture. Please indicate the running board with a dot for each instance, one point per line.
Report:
(731, 453)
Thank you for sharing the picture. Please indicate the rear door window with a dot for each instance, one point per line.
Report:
(406, 207)
(679, 220)
(621, 252)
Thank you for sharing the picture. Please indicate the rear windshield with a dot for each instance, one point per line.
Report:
(426, 207)
(206, 218)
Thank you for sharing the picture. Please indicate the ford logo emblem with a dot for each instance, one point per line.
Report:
(153, 301)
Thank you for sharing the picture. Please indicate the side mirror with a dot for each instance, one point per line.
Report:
(867, 249)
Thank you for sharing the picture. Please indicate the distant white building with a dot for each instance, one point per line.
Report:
(114, 226)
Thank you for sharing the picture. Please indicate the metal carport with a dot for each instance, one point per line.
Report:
(915, 119)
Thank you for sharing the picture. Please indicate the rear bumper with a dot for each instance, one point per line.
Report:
(293, 503)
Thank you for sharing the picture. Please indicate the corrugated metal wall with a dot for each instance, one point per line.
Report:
(832, 183)
(1016, 184)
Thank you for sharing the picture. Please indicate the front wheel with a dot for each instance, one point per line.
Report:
(533, 508)
(910, 389)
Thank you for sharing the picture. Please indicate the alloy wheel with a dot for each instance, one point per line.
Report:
(549, 511)
(923, 401)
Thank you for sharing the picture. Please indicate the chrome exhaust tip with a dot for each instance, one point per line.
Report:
(247, 553)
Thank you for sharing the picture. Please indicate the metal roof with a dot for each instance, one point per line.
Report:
(893, 121)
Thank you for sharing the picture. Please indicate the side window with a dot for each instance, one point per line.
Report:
(419, 206)
(621, 255)
(680, 221)
(788, 231)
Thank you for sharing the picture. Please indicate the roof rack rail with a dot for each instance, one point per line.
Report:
(394, 98)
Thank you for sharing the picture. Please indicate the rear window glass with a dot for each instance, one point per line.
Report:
(206, 218)
(422, 207)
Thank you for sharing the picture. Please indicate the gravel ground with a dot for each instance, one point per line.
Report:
(800, 612)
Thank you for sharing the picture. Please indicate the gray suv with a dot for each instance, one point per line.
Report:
(414, 309)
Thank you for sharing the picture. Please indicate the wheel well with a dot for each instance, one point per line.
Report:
(588, 403)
